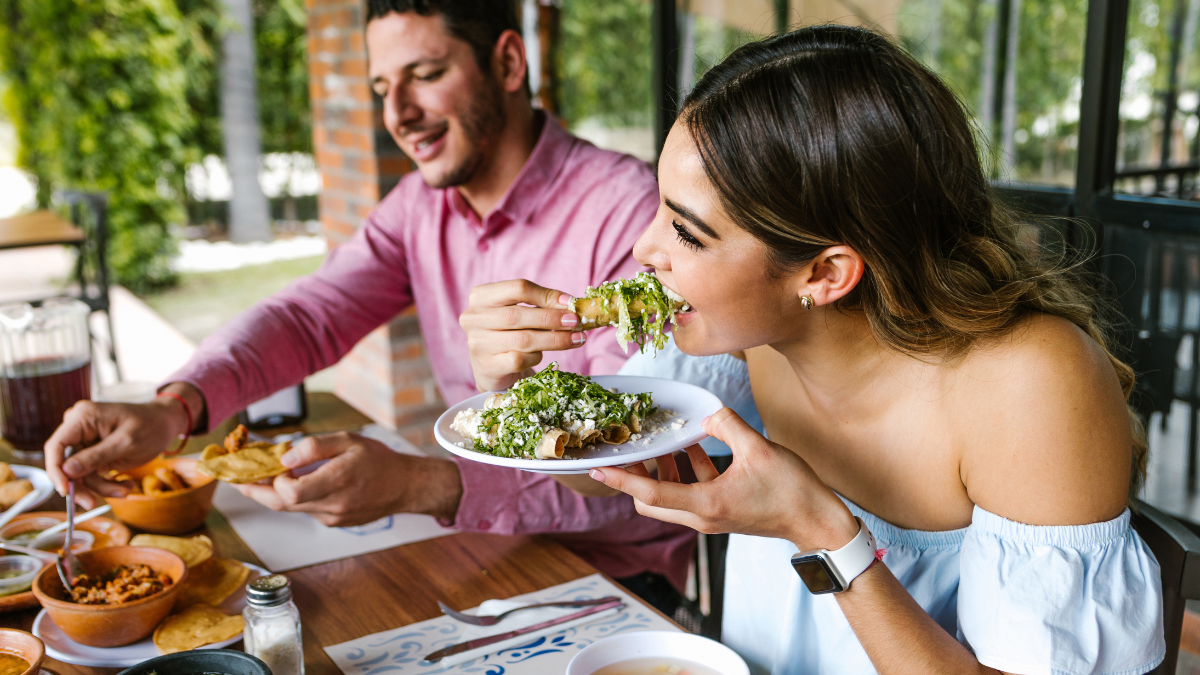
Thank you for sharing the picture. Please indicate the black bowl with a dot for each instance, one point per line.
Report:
(199, 661)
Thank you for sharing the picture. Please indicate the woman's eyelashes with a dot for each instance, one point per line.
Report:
(686, 237)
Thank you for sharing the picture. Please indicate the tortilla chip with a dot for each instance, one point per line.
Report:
(12, 491)
(196, 626)
(211, 582)
(249, 465)
(194, 550)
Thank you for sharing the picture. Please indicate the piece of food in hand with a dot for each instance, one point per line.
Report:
(12, 491)
(639, 307)
(124, 583)
(194, 627)
(544, 414)
(211, 582)
(242, 460)
(193, 550)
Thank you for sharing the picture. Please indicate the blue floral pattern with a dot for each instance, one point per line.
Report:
(400, 651)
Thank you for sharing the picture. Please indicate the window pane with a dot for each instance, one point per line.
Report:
(1158, 146)
(605, 62)
(1028, 115)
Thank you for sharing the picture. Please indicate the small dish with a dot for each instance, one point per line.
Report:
(172, 512)
(111, 625)
(653, 644)
(21, 644)
(22, 569)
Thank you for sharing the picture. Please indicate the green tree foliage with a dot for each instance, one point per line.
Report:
(285, 114)
(605, 61)
(119, 96)
(99, 94)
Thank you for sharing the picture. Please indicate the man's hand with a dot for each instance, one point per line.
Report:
(362, 481)
(506, 339)
(109, 436)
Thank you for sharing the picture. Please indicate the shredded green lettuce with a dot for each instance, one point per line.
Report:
(644, 327)
(552, 399)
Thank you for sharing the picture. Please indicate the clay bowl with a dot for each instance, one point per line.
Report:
(173, 512)
(111, 625)
(22, 644)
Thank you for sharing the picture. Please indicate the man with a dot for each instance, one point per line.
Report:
(502, 192)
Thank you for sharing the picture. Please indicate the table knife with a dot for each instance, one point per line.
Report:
(484, 641)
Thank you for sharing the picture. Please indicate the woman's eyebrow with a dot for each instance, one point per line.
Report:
(691, 217)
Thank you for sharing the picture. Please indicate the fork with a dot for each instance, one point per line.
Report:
(490, 620)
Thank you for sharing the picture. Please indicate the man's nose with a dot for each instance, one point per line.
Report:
(399, 110)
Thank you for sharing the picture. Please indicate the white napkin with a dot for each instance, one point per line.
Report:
(516, 621)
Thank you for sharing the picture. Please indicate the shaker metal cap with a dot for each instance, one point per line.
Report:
(267, 591)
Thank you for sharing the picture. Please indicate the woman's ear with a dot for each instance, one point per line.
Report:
(832, 274)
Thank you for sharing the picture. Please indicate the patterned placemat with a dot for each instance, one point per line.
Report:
(399, 651)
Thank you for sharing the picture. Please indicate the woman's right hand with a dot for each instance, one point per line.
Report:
(109, 436)
(506, 339)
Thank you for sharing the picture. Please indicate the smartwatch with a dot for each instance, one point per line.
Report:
(825, 571)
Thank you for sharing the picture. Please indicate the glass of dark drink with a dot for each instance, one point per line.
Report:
(45, 367)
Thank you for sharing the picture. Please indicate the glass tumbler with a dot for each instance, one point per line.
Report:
(45, 367)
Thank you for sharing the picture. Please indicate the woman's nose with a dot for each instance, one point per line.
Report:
(649, 250)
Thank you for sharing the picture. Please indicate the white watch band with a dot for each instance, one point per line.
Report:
(854, 558)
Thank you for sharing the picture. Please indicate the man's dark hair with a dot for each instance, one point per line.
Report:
(479, 23)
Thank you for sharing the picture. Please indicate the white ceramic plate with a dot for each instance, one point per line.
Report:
(666, 647)
(41, 483)
(690, 403)
(63, 648)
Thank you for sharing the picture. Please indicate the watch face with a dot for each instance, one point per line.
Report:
(815, 573)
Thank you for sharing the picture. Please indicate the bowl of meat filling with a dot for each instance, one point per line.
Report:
(125, 592)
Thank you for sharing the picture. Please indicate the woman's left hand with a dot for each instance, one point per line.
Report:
(768, 491)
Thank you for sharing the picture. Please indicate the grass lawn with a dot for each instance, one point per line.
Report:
(204, 300)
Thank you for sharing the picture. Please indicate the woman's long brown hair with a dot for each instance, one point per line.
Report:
(834, 135)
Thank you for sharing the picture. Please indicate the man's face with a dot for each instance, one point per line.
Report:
(443, 112)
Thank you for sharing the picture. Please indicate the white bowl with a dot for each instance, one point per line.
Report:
(652, 643)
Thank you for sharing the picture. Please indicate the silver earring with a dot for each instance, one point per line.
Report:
(807, 302)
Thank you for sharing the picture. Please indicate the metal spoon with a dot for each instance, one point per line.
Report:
(486, 620)
(69, 567)
(32, 552)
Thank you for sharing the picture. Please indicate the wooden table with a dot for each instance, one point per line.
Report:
(354, 597)
(40, 228)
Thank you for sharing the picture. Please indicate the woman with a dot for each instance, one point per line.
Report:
(922, 377)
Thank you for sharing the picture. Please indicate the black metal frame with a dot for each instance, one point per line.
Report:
(93, 291)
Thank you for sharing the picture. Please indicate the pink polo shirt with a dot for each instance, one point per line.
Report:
(568, 221)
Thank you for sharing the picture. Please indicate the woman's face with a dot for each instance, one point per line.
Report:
(719, 268)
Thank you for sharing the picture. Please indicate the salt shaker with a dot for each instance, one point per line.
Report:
(273, 625)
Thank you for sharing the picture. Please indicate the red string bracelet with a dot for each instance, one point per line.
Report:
(190, 422)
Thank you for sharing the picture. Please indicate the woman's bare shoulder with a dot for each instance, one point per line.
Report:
(1046, 436)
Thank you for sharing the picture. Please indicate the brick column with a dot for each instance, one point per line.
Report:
(387, 375)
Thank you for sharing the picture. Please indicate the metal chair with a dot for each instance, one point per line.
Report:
(89, 212)
(1177, 547)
